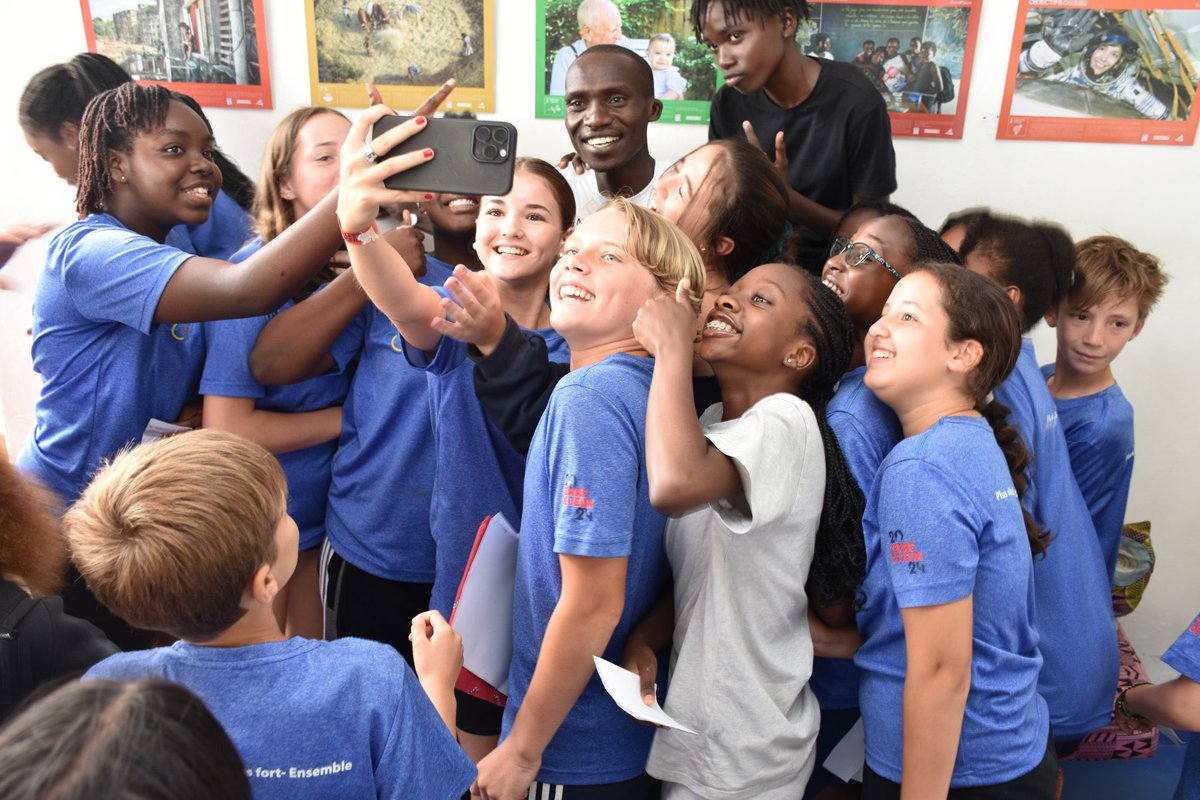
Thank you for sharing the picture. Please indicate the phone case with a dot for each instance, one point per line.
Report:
(472, 156)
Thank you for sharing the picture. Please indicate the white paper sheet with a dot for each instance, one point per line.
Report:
(847, 757)
(625, 688)
(483, 613)
(157, 429)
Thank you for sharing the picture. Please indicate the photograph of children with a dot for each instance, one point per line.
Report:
(1093, 72)
(685, 78)
(215, 52)
(406, 49)
(917, 56)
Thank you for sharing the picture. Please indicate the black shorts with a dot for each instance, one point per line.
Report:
(1040, 783)
(369, 607)
(643, 787)
(477, 716)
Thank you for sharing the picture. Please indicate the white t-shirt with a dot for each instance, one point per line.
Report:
(588, 197)
(742, 653)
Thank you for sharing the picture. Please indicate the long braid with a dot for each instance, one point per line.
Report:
(839, 563)
(1017, 457)
(110, 122)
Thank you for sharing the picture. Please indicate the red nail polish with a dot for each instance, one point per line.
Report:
(428, 196)
(428, 153)
(420, 120)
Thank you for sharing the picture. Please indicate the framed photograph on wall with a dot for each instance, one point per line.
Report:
(918, 55)
(406, 49)
(215, 51)
(685, 77)
(1103, 71)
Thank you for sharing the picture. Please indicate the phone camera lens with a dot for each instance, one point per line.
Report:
(491, 152)
(500, 135)
(482, 134)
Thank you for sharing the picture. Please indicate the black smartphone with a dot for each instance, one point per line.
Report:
(472, 156)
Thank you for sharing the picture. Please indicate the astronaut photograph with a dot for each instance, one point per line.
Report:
(1120, 64)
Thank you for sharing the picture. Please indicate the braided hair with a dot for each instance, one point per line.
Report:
(111, 122)
(929, 246)
(735, 9)
(977, 308)
(839, 563)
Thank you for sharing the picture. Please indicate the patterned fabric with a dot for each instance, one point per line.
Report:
(1135, 565)
(1109, 742)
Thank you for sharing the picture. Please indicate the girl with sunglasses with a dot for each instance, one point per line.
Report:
(862, 270)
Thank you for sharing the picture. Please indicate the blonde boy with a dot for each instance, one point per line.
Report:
(1115, 287)
(190, 536)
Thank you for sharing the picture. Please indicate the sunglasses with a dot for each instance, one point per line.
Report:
(857, 253)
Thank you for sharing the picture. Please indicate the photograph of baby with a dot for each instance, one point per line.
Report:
(660, 31)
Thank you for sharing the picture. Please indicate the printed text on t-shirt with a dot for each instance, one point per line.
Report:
(576, 497)
(906, 552)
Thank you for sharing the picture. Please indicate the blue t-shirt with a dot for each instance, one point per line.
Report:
(1184, 657)
(1078, 637)
(227, 373)
(227, 228)
(866, 430)
(586, 494)
(315, 719)
(378, 514)
(478, 472)
(1099, 431)
(107, 368)
(943, 523)
(1074, 608)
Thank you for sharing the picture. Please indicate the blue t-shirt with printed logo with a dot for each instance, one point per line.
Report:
(107, 368)
(1078, 637)
(943, 522)
(1184, 657)
(382, 484)
(1099, 431)
(343, 719)
(227, 374)
(478, 473)
(586, 494)
(866, 430)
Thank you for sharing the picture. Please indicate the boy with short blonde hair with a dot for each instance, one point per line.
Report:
(190, 535)
(1115, 287)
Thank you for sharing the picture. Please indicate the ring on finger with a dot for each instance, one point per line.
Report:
(369, 154)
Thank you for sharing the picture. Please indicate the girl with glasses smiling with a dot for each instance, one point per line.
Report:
(886, 243)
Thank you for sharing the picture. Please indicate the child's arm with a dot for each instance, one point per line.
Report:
(295, 345)
(203, 289)
(383, 272)
(587, 613)
(437, 660)
(277, 431)
(649, 636)
(1175, 704)
(832, 642)
(938, 645)
(514, 375)
(685, 470)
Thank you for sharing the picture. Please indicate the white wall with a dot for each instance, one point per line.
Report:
(1139, 192)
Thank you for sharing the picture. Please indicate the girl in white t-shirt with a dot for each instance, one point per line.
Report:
(763, 493)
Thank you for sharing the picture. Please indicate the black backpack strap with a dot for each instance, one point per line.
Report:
(16, 670)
